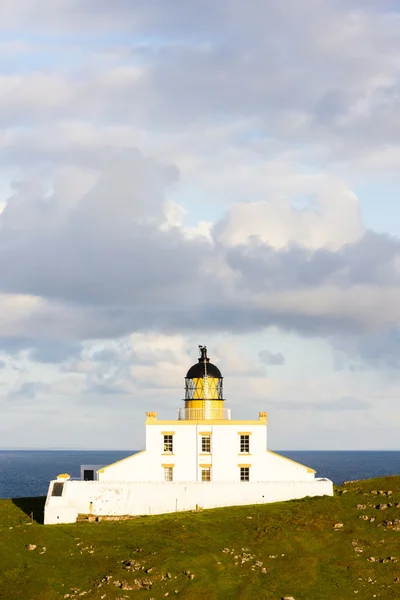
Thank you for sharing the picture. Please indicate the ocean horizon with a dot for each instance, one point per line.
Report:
(27, 472)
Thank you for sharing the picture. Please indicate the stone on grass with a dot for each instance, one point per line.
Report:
(30, 546)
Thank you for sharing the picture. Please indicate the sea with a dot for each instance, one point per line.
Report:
(26, 473)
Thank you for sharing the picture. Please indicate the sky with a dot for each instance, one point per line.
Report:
(223, 173)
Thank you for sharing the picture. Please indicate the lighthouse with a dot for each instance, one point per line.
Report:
(202, 457)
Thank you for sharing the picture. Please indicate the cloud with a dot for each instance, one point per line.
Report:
(269, 358)
(331, 221)
(346, 404)
(54, 351)
(30, 389)
(97, 262)
(377, 350)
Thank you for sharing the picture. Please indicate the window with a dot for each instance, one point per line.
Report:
(168, 473)
(245, 443)
(206, 443)
(206, 474)
(168, 443)
(244, 473)
(57, 489)
(88, 475)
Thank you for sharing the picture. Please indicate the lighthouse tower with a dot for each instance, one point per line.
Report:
(201, 458)
(204, 398)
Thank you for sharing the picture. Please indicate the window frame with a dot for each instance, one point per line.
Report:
(168, 474)
(205, 474)
(244, 442)
(206, 444)
(244, 474)
(168, 444)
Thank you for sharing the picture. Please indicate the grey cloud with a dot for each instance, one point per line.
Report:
(108, 355)
(2, 365)
(371, 260)
(347, 403)
(377, 350)
(269, 358)
(55, 351)
(30, 389)
(263, 63)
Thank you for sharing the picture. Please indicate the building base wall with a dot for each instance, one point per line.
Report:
(151, 498)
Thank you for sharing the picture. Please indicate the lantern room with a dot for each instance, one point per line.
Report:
(204, 391)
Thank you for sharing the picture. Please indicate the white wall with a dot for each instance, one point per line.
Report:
(187, 457)
(103, 498)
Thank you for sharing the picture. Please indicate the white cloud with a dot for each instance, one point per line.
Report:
(331, 221)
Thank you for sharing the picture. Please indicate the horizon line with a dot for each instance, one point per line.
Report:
(77, 449)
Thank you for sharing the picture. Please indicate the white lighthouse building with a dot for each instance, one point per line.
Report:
(203, 458)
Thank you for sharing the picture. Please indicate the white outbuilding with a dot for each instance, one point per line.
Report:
(201, 459)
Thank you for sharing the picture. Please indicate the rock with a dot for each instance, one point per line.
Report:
(372, 519)
(168, 576)
(125, 586)
(361, 506)
(382, 506)
(258, 563)
(389, 493)
(67, 596)
(358, 549)
(263, 570)
(191, 576)
(371, 559)
(338, 526)
(30, 546)
(287, 598)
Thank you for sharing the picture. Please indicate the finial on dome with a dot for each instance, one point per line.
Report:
(203, 354)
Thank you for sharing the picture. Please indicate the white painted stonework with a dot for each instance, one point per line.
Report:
(170, 474)
(141, 498)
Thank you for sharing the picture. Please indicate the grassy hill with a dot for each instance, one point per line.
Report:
(257, 552)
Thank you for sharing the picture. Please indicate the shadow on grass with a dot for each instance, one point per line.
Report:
(32, 507)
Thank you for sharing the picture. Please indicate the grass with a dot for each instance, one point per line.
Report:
(301, 553)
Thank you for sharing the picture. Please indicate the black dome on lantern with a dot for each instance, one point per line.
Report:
(203, 367)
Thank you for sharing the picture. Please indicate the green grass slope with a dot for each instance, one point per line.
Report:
(256, 552)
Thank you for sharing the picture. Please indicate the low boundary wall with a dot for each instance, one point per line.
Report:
(150, 498)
